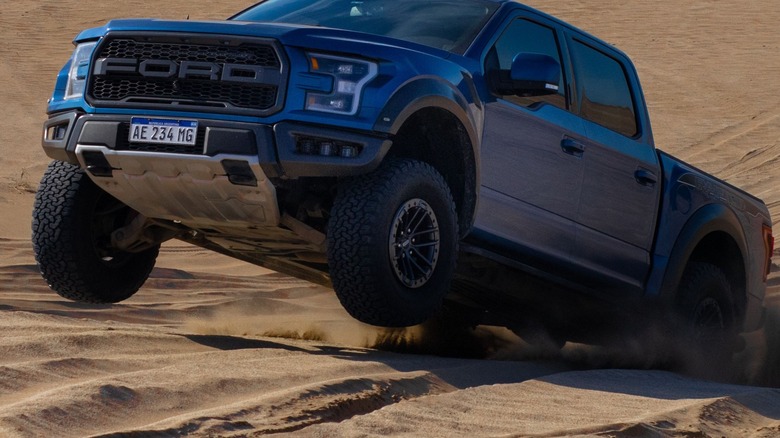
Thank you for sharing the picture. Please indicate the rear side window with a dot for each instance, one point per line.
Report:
(603, 90)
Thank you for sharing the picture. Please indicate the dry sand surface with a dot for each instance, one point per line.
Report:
(215, 347)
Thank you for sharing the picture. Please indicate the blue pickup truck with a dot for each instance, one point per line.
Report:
(474, 153)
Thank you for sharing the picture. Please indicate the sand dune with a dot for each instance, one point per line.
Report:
(597, 403)
(214, 347)
(197, 353)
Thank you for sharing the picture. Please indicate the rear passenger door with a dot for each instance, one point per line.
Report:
(622, 180)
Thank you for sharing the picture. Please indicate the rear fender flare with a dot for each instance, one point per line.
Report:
(709, 219)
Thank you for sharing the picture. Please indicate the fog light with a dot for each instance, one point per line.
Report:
(307, 146)
(56, 132)
(348, 151)
(326, 149)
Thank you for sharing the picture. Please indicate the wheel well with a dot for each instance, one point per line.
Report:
(720, 249)
(437, 137)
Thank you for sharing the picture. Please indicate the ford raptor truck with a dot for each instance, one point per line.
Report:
(408, 153)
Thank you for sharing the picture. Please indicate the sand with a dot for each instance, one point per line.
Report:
(212, 346)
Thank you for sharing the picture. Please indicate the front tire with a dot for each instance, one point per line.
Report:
(392, 244)
(72, 224)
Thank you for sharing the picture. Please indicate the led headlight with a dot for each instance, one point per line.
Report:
(79, 67)
(349, 77)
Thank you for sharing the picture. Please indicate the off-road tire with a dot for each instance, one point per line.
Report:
(360, 236)
(72, 221)
(706, 304)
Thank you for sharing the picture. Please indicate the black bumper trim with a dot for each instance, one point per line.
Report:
(215, 137)
(295, 164)
(55, 148)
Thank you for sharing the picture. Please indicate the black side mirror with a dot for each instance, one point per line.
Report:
(532, 74)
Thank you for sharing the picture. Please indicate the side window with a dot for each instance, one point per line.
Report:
(528, 37)
(603, 90)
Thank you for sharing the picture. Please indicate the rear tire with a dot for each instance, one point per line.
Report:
(706, 303)
(392, 244)
(71, 233)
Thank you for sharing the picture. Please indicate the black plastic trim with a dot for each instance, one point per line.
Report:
(58, 149)
(219, 137)
(373, 150)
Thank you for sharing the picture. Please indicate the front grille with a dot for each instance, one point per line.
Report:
(244, 91)
(245, 54)
(191, 92)
(123, 143)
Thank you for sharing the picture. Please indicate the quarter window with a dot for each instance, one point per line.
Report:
(603, 90)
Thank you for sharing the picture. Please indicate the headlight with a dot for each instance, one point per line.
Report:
(79, 67)
(349, 77)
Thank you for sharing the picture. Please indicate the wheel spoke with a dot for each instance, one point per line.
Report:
(423, 216)
(408, 268)
(428, 261)
(709, 316)
(407, 222)
(416, 265)
(418, 233)
(425, 245)
(712, 319)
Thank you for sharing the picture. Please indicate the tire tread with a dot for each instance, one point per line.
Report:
(56, 239)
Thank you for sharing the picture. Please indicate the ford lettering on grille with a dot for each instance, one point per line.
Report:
(162, 68)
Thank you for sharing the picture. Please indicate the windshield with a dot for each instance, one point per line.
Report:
(445, 24)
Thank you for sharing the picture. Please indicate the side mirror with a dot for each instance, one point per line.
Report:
(532, 74)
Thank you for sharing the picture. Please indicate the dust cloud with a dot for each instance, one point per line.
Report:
(758, 363)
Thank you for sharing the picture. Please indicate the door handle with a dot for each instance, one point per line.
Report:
(572, 147)
(645, 177)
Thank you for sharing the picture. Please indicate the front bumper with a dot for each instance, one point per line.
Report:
(274, 145)
(219, 184)
(222, 184)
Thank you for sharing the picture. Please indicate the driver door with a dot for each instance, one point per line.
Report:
(531, 155)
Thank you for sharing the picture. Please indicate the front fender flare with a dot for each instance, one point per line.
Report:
(426, 92)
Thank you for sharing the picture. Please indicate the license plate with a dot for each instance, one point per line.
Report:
(163, 131)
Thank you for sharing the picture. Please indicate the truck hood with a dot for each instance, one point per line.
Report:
(288, 34)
